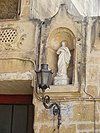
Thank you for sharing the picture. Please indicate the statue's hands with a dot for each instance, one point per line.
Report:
(58, 52)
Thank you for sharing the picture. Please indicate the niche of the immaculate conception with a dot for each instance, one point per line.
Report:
(61, 45)
(59, 37)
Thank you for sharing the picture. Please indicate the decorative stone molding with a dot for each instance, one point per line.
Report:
(17, 57)
(7, 37)
(17, 37)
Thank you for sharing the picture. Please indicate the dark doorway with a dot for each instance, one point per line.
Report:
(16, 118)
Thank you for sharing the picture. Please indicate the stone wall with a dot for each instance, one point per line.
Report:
(78, 116)
(80, 101)
(80, 110)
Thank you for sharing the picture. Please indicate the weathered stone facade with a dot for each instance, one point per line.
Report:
(27, 42)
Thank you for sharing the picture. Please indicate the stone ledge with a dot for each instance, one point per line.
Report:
(63, 91)
(16, 83)
(17, 76)
(62, 88)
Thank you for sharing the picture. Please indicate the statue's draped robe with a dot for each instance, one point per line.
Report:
(63, 60)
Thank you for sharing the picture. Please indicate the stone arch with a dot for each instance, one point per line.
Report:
(54, 42)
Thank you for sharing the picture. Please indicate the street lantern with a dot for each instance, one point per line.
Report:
(44, 77)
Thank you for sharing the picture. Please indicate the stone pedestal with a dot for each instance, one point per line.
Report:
(61, 80)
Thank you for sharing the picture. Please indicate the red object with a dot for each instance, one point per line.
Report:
(15, 99)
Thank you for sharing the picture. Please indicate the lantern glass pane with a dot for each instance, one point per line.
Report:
(45, 78)
(49, 78)
(39, 78)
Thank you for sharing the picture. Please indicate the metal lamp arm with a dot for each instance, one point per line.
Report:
(56, 107)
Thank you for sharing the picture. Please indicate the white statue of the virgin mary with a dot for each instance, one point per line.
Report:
(63, 63)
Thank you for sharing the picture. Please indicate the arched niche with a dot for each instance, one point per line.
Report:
(53, 43)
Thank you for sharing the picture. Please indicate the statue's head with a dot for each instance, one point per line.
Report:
(63, 43)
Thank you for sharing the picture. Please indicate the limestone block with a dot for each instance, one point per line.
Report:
(85, 126)
(98, 126)
(51, 127)
(84, 112)
(16, 83)
(68, 129)
(43, 115)
(92, 90)
(71, 129)
(92, 73)
(98, 107)
(94, 59)
(45, 129)
(17, 76)
(83, 132)
(14, 65)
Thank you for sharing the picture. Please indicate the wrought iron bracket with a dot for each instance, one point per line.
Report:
(55, 106)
